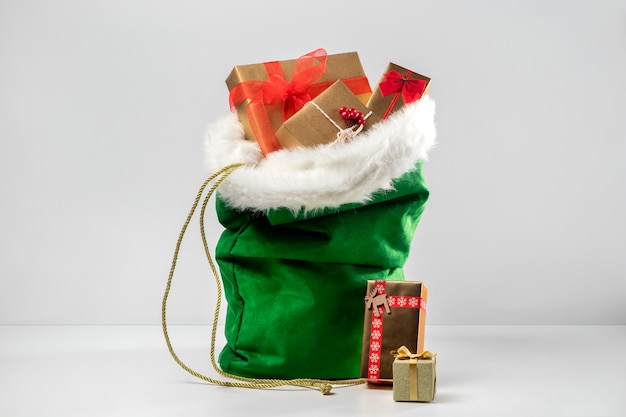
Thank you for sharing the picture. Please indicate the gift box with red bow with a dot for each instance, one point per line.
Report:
(267, 94)
(337, 114)
(395, 315)
(397, 87)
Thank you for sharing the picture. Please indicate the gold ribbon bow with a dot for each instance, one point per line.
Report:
(403, 353)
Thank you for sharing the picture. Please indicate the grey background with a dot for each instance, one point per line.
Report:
(104, 105)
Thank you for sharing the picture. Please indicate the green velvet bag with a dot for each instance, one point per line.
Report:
(295, 284)
(305, 229)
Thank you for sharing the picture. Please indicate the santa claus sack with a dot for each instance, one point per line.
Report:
(304, 230)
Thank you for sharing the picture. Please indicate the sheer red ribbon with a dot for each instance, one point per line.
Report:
(293, 94)
(276, 89)
(410, 89)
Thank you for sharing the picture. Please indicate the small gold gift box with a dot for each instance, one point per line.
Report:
(414, 376)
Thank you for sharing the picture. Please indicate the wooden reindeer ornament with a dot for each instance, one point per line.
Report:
(374, 301)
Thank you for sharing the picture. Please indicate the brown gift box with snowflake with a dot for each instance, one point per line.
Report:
(395, 315)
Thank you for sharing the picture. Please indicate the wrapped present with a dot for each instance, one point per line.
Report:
(335, 114)
(397, 87)
(414, 375)
(266, 94)
(395, 315)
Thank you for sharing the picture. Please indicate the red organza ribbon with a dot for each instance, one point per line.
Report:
(295, 93)
(275, 89)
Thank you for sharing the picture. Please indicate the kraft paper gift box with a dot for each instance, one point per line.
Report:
(395, 315)
(397, 87)
(414, 376)
(264, 95)
(320, 122)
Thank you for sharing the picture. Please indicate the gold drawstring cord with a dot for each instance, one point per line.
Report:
(324, 386)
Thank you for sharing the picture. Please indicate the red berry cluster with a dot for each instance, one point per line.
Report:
(351, 114)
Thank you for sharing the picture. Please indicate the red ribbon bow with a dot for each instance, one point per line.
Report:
(274, 89)
(295, 93)
(411, 89)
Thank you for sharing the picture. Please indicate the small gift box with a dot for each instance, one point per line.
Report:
(266, 94)
(395, 315)
(326, 119)
(414, 376)
(397, 87)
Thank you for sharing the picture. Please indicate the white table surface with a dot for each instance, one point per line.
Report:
(502, 371)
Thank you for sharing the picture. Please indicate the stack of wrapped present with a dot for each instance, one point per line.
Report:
(393, 340)
(283, 104)
(319, 99)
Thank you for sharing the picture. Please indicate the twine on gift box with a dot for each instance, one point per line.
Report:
(344, 134)
(324, 386)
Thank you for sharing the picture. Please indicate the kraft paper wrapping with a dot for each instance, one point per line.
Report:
(404, 326)
(346, 66)
(385, 105)
(414, 379)
(310, 127)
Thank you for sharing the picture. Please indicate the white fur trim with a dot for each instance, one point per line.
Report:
(325, 176)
